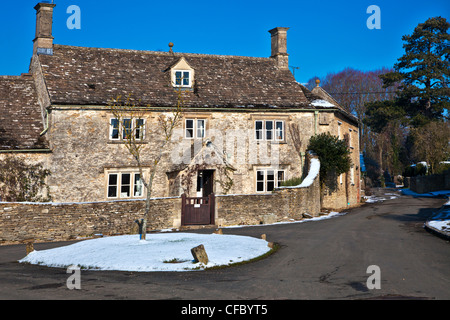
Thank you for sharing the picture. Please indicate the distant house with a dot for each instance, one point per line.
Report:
(239, 111)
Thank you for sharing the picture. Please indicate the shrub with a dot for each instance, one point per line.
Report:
(21, 182)
(292, 182)
(333, 153)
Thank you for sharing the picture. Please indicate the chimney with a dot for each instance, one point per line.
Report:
(43, 43)
(279, 47)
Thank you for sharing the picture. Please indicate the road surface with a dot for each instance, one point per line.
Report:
(317, 260)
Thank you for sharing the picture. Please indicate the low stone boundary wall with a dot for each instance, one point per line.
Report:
(59, 222)
(46, 222)
(282, 205)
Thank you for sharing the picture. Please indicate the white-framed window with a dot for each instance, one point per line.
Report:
(195, 128)
(269, 179)
(129, 126)
(124, 185)
(269, 130)
(182, 78)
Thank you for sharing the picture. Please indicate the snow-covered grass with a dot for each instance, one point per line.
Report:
(164, 251)
(159, 252)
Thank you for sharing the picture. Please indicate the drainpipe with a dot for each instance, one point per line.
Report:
(316, 114)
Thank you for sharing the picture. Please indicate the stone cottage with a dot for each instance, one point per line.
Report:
(245, 127)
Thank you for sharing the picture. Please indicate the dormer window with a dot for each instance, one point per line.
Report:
(182, 78)
(182, 74)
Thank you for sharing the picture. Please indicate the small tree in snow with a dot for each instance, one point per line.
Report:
(130, 122)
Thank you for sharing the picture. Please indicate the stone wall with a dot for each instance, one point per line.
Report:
(59, 222)
(430, 183)
(285, 204)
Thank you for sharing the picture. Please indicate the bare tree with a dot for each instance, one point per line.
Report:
(294, 131)
(129, 123)
(431, 143)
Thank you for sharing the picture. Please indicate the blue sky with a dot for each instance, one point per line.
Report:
(324, 36)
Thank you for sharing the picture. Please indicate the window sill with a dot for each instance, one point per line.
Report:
(270, 141)
(124, 142)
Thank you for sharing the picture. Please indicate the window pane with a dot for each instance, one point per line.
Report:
(269, 130)
(126, 128)
(270, 180)
(189, 128)
(200, 128)
(112, 186)
(260, 181)
(112, 180)
(178, 76)
(271, 175)
(280, 178)
(112, 192)
(258, 128)
(126, 179)
(114, 129)
(260, 175)
(139, 133)
(125, 191)
(260, 186)
(138, 185)
(279, 130)
(186, 78)
(125, 188)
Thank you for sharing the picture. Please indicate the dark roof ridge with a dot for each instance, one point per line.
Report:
(163, 53)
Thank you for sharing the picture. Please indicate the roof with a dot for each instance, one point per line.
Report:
(20, 114)
(320, 97)
(94, 76)
(320, 92)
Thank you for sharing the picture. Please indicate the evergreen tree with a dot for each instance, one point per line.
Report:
(334, 154)
(424, 72)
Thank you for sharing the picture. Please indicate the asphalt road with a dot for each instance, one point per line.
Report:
(317, 260)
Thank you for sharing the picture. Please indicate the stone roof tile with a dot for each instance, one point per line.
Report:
(94, 76)
(20, 115)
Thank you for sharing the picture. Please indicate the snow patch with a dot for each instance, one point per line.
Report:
(322, 103)
(312, 174)
(159, 252)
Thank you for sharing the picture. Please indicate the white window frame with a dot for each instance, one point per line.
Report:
(121, 131)
(133, 185)
(283, 130)
(264, 131)
(196, 129)
(182, 85)
(276, 181)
